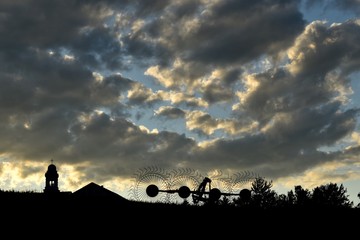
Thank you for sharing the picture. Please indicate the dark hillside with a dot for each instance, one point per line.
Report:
(103, 217)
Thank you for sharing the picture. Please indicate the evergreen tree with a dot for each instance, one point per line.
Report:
(262, 194)
(331, 195)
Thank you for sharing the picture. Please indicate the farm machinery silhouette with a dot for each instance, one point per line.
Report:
(154, 184)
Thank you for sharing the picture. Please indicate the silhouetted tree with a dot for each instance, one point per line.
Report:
(296, 197)
(302, 196)
(291, 197)
(262, 194)
(283, 201)
(331, 195)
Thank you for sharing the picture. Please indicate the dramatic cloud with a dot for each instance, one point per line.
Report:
(170, 112)
(218, 34)
(204, 123)
(105, 88)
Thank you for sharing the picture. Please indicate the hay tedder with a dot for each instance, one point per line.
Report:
(154, 184)
(201, 194)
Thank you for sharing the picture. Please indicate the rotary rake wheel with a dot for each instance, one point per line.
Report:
(220, 182)
(184, 180)
(154, 177)
(242, 180)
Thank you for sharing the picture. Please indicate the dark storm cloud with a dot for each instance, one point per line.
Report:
(333, 46)
(170, 112)
(224, 32)
(213, 93)
(98, 47)
(123, 148)
(59, 97)
(100, 137)
(56, 25)
(244, 30)
(37, 81)
(43, 81)
(45, 96)
(52, 133)
(289, 147)
(296, 106)
(79, 28)
(231, 76)
(282, 93)
(157, 15)
(310, 128)
(107, 91)
(143, 96)
(46, 23)
(258, 153)
(216, 34)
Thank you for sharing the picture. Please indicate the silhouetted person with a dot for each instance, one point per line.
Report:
(201, 190)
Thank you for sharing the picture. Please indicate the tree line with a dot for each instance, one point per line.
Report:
(331, 195)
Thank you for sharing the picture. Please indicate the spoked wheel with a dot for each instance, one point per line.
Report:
(184, 180)
(242, 180)
(148, 182)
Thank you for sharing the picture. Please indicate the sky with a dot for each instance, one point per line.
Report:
(116, 90)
